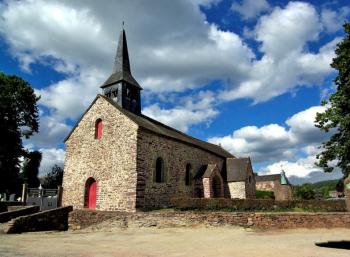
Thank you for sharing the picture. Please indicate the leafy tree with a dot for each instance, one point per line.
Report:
(30, 169)
(337, 115)
(304, 192)
(18, 118)
(54, 178)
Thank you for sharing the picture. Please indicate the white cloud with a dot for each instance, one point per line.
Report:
(250, 9)
(333, 20)
(301, 171)
(188, 114)
(279, 145)
(286, 63)
(172, 49)
(287, 29)
(50, 157)
(51, 132)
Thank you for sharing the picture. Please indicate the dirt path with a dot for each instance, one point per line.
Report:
(224, 241)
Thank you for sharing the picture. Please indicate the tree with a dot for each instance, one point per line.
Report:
(304, 191)
(54, 178)
(18, 118)
(30, 169)
(336, 151)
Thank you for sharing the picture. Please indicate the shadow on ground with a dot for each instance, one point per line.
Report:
(335, 244)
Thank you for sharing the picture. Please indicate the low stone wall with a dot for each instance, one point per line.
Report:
(257, 204)
(54, 219)
(6, 216)
(4, 205)
(86, 217)
(80, 219)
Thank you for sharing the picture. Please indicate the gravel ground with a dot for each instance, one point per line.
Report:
(201, 241)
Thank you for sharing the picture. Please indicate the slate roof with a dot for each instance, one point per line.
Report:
(121, 69)
(273, 177)
(237, 169)
(163, 130)
(264, 178)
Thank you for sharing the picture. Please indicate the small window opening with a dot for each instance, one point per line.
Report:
(98, 129)
(159, 175)
(188, 175)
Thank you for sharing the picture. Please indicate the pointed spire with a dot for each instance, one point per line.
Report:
(121, 69)
(122, 62)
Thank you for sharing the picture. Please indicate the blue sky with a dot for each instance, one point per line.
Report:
(248, 75)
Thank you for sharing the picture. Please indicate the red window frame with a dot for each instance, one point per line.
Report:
(98, 129)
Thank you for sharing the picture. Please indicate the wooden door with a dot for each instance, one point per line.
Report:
(92, 195)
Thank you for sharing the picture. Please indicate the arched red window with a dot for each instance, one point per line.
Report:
(98, 129)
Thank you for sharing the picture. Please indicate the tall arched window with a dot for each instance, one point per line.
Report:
(98, 129)
(159, 176)
(188, 175)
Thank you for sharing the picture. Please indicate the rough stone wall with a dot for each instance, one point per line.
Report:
(237, 189)
(265, 185)
(175, 155)
(6, 216)
(80, 219)
(250, 184)
(283, 192)
(257, 204)
(111, 160)
(54, 219)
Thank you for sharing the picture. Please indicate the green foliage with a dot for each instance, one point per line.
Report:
(315, 190)
(305, 192)
(337, 115)
(18, 118)
(54, 178)
(262, 194)
(30, 169)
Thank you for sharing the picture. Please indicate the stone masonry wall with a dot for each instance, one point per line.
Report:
(250, 191)
(237, 189)
(81, 219)
(54, 219)
(283, 192)
(111, 160)
(265, 185)
(175, 155)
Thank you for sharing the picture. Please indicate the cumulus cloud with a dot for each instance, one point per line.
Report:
(250, 9)
(333, 20)
(301, 171)
(173, 49)
(189, 113)
(285, 64)
(51, 133)
(280, 145)
(50, 157)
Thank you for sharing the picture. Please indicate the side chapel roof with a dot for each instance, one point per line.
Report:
(237, 169)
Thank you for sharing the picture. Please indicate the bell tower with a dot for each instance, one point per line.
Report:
(121, 86)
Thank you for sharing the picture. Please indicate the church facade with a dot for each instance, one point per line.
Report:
(119, 159)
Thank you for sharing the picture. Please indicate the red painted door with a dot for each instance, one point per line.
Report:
(92, 195)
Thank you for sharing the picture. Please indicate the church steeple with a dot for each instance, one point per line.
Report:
(121, 85)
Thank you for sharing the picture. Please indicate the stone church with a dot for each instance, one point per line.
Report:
(119, 159)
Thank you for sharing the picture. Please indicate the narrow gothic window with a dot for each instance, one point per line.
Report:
(98, 129)
(188, 175)
(159, 174)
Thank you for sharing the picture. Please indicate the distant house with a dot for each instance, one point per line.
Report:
(278, 183)
(336, 194)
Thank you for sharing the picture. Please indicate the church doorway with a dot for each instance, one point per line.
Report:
(217, 187)
(90, 193)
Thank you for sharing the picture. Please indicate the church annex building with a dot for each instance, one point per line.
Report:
(119, 159)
